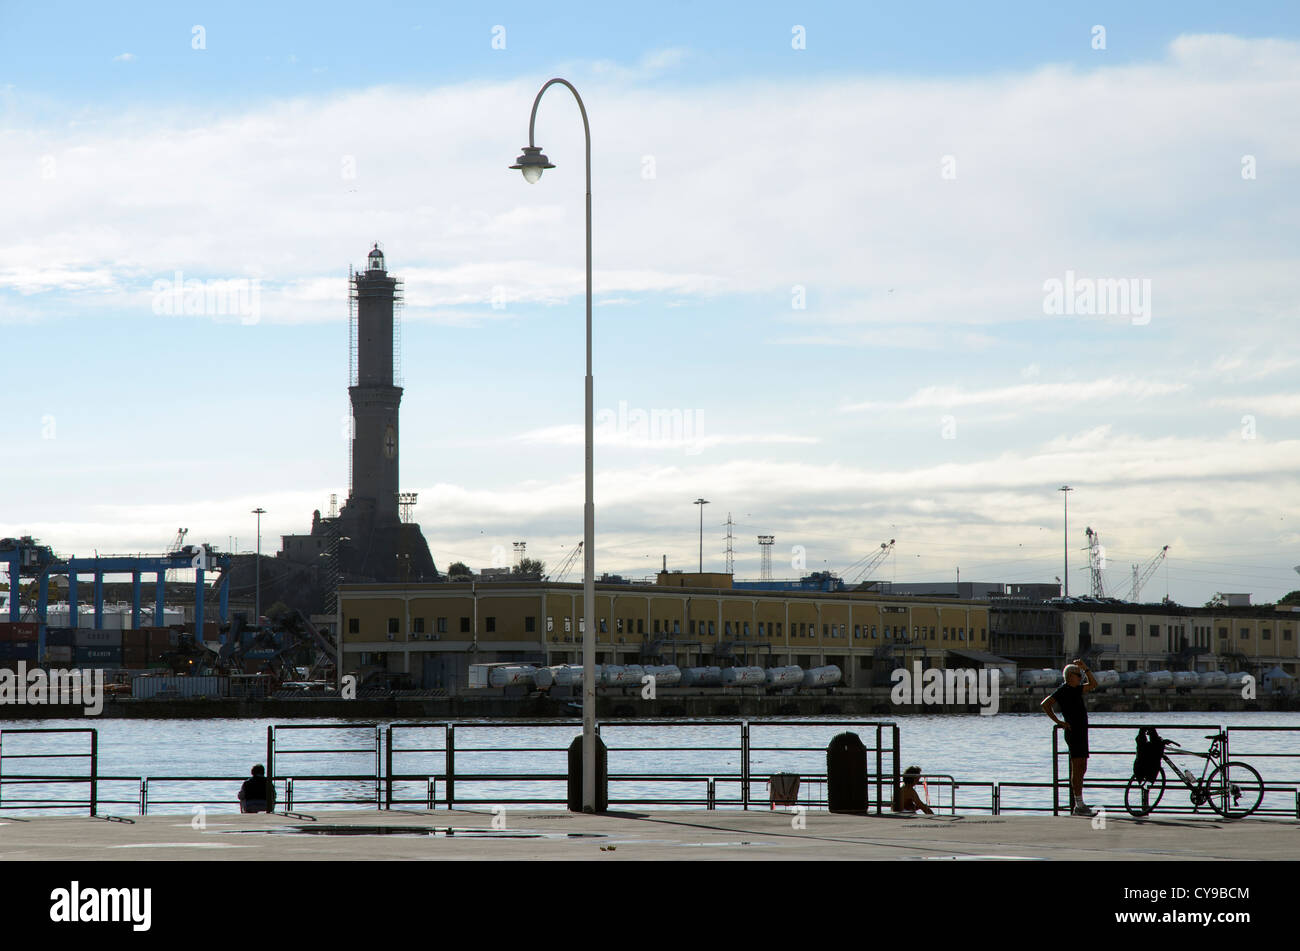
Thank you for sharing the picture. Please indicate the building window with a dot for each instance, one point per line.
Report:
(1105, 629)
(760, 628)
(726, 628)
(550, 623)
(656, 625)
(1155, 630)
(778, 628)
(746, 628)
(464, 625)
(618, 625)
(1245, 633)
(857, 631)
(530, 625)
(604, 626)
(417, 625)
(945, 633)
(873, 632)
(640, 625)
(677, 626)
(1130, 630)
(568, 625)
(692, 628)
(354, 625)
(491, 625)
(392, 625)
(712, 629)
(1266, 634)
(441, 625)
(1286, 633)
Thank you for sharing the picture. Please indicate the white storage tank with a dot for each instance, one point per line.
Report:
(1131, 678)
(617, 675)
(1238, 680)
(1211, 678)
(702, 676)
(1106, 678)
(543, 677)
(743, 677)
(568, 675)
(826, 676)
(666, 675)
(1157, 678)
(1039, 678)
(1186, 678)
(511, 675)
(790, 676)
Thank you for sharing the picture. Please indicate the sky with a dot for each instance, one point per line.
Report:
(861, 272)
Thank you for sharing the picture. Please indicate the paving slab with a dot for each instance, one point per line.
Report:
(532, 835)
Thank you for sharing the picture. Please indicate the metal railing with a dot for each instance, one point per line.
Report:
(721, 774)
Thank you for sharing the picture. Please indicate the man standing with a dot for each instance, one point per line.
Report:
(1070, 697)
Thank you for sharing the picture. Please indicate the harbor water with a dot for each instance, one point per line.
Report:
(971, 749)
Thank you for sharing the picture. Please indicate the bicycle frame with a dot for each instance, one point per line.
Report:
(1215, 756)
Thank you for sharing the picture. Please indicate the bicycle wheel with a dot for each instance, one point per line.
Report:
(1235, 790)
(1142, 796)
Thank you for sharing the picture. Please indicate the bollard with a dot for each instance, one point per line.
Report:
(846, 774)
(575, 775)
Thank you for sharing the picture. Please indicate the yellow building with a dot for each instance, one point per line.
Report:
(432, 632)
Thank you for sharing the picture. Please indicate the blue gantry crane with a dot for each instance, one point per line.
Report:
(26, 558)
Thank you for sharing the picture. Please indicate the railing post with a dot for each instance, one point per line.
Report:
(144, 795)
(880, 766)
(270, 752)
(288, 794)
(997, 799)
(94, 772)
(451, 766)
(744, 763)
(432, 784)
(897, 755)
(379, 768)
(388, 767)
(711, 793)
(1056, 776)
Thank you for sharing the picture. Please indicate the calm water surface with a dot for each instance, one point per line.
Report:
(971, 749)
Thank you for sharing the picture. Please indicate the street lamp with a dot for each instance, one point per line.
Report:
(1065, 490)
(259, 512)
(701, 503)
(532, 163)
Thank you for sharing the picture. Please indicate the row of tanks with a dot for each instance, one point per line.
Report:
(665, 675)
(1050, 677)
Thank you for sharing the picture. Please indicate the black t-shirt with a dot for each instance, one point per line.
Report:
(255, 789)
(1069, 701)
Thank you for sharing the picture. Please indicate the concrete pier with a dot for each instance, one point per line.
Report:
(529, 834)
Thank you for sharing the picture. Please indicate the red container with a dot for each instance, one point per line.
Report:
(18, 631)
(135, 638)
(135, 657)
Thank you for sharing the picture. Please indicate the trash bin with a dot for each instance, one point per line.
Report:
(575, 776)
(846, 773)
(783, 789)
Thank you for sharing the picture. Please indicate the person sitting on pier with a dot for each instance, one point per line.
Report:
(258, 793)
(906, 798)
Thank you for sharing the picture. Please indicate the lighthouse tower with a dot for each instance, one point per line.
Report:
(375, 396)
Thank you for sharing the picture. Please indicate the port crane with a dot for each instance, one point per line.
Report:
(1096, 562)
(1143, 575)
(567, 565)
(865, 566)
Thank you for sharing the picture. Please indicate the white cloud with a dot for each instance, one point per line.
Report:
(1035, 395)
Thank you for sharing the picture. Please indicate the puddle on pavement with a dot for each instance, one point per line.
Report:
(444, 831)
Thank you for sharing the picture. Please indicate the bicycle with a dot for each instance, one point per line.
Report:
(1232, 789)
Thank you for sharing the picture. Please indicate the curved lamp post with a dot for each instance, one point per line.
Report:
(532, 163)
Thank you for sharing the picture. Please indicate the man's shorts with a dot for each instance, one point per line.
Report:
(1076, 739)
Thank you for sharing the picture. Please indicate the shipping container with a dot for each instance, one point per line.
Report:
(18, 631)
(135, 657)
(147, 688)
(98, 656)
(58, 654)
(138, 638)
(60, 637)
(18, 650)
(91, 637)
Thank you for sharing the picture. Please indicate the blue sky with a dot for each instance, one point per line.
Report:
(912, 178)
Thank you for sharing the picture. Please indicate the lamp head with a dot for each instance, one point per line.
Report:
(532, 163)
